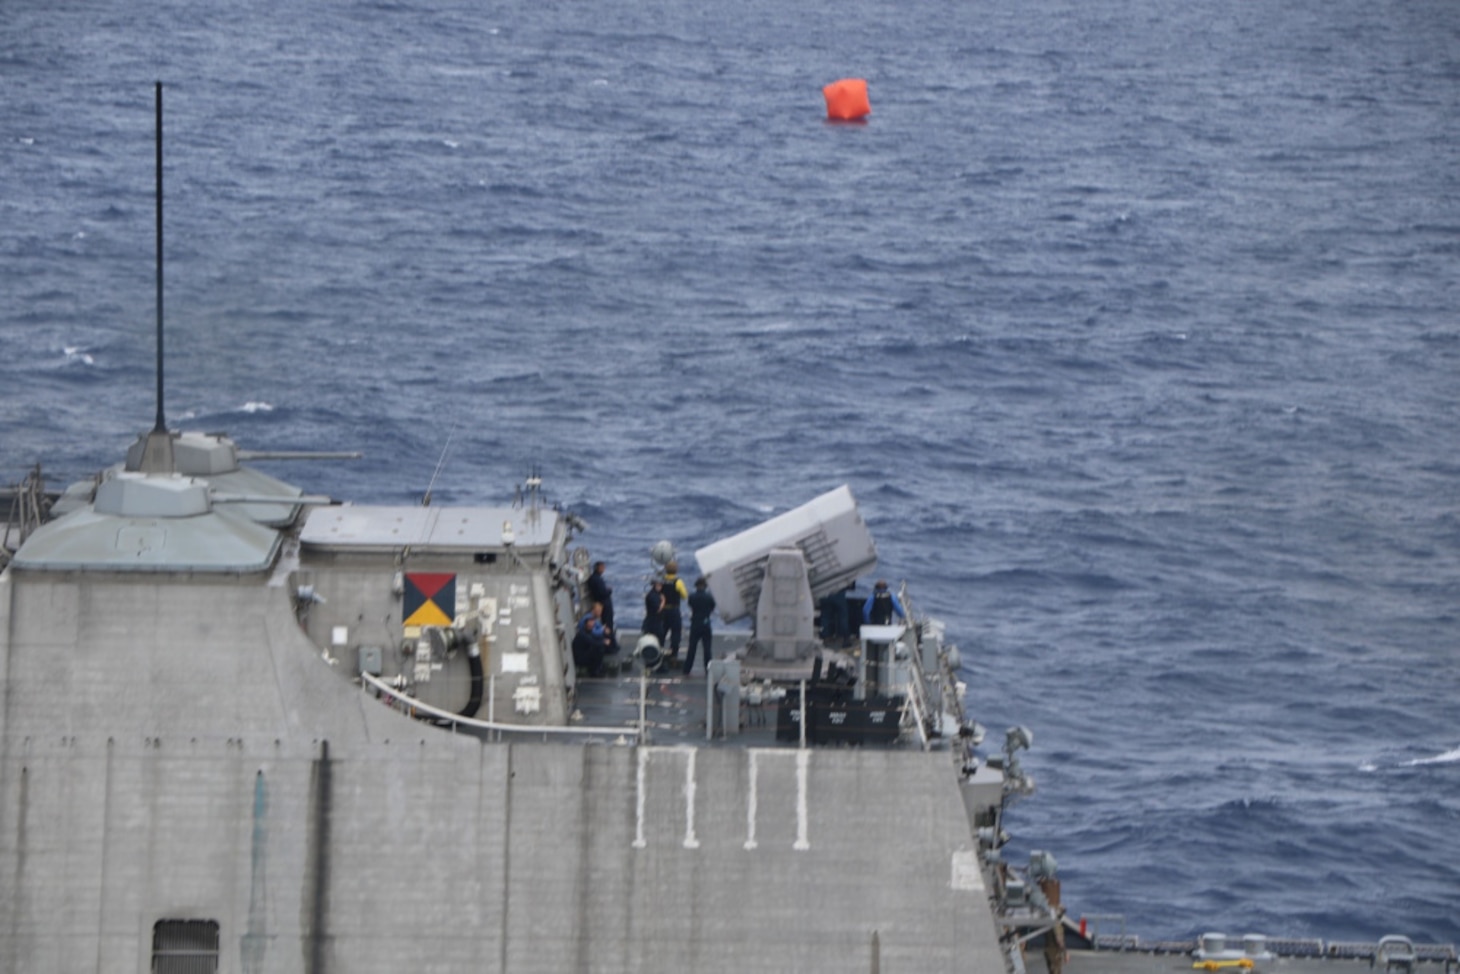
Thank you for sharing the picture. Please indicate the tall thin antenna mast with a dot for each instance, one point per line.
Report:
(157, 455)
(161, 425)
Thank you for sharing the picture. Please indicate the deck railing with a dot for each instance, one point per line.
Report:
(494, 730)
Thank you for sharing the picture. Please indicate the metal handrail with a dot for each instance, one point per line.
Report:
(368, 682)
(1094, 920)
(915, 701)
(917, 692)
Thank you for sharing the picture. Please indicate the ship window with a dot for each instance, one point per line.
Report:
(485, 558)
(185, 947)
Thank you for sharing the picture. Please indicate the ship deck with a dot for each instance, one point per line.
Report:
(675, 708)
(1432, 960)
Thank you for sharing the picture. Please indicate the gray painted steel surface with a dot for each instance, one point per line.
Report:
(175, 747)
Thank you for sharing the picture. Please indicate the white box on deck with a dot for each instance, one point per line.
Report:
(830, 532)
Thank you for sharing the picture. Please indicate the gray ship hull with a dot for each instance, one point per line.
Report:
(176, 748)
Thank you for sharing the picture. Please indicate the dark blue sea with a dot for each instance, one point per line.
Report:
(1134, 326)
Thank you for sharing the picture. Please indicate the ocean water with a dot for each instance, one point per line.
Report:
(1131, 324)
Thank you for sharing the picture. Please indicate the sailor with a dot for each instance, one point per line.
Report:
(601, 592)
(600, 628)
(701, 606)
(591, 642)
(834, 624)
(654, 611)
(878, 610)
(674, 594)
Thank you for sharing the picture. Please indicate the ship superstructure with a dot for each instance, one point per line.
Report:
(325, 736)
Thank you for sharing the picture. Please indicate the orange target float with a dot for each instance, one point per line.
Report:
(846, 100)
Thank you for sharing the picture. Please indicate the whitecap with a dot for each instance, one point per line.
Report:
(257, 407)
(75, 354)
(1448, 757)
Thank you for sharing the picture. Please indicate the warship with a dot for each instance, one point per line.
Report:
(247, 728)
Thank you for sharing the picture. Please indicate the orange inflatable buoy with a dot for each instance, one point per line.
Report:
(846, 100)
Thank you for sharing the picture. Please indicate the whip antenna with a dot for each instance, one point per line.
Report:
(426, 500)
(161, 425)
(157, 455)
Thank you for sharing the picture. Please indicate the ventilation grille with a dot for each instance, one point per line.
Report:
(185, 947)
